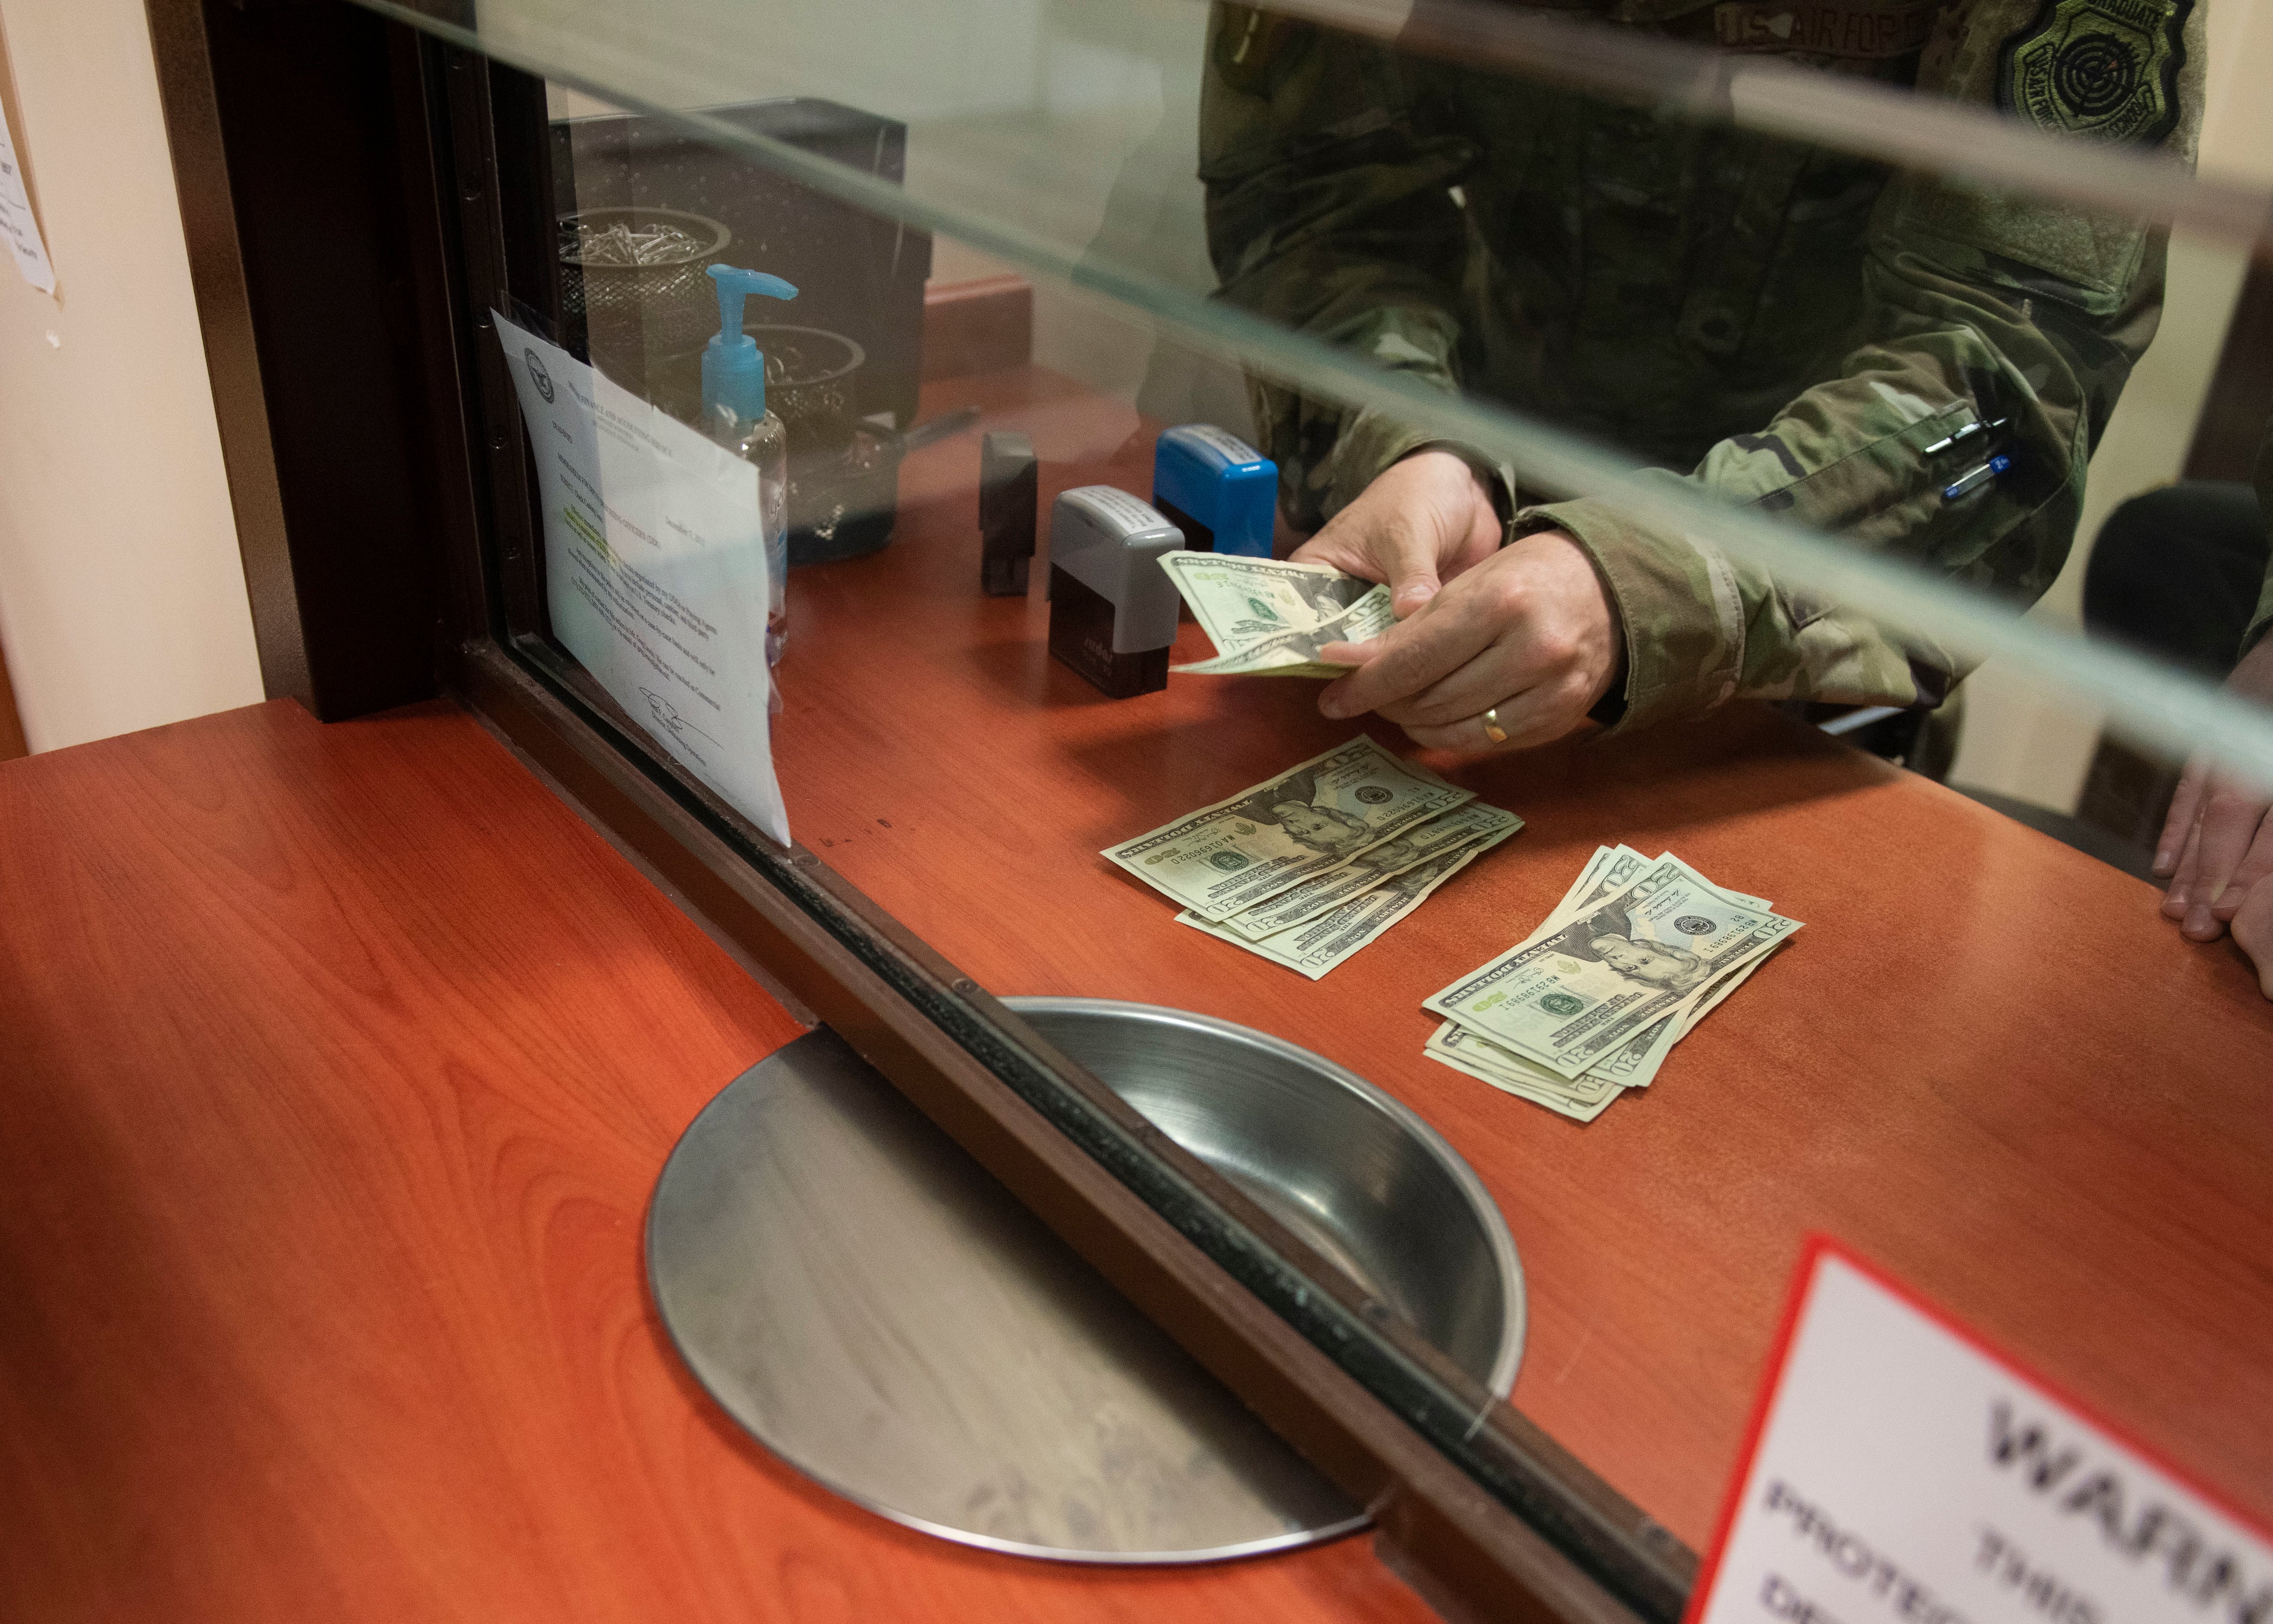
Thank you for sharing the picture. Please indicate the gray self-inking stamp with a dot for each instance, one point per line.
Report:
(1113, 608)
(1008, 509)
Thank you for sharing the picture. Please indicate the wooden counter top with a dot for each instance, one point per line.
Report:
(1987, 1062)
(336, 1066)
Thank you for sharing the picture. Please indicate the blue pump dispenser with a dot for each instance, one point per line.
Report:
(734, 415)
(733, 367)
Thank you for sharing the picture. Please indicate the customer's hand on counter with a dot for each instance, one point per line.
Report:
(2217, 843)
(2252, 930)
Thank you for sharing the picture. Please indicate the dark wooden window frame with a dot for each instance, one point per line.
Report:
(354, 197)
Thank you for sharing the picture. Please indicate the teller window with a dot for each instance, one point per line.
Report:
(1566, 648)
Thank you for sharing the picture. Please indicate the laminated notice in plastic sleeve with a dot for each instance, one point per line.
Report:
(654, 568)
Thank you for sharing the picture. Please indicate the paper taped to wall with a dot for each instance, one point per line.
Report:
(16, 221)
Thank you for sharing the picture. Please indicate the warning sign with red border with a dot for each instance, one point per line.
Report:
(1900, 1471)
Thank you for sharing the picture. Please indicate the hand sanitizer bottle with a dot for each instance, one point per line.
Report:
(734, 413)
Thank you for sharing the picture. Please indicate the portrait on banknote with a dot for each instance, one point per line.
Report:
(1324, 830)
(1328, 595)
(1608, 938)
(1291, 804)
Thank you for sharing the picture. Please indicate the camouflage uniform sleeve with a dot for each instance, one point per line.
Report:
(1977, 306)
(1328, 212)
(2262, 475)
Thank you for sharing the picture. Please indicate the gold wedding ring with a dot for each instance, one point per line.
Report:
(1490, 719)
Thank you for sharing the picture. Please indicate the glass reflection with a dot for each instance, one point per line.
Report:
(1400, 278)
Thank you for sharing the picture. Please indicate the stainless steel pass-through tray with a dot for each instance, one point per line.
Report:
(878, 1311)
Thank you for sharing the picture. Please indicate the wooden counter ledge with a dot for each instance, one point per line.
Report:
(337, 1065)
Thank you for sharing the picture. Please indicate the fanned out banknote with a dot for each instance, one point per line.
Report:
(1311, 820)
(1313, 865)
(1268, 617)
(1582, 1099)
(1319, 945)
(1469, 828)
(1589, 1004)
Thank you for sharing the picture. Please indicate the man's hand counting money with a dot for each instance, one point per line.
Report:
(1529, 632)
(1427, 518)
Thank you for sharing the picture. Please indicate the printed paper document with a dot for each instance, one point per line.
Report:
(654, 568)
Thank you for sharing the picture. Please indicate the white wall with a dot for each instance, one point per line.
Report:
(122, 599)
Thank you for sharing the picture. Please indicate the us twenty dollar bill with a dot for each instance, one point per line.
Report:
(1581, 987)
(1710, 999)
(1473, 824)
(1311, 819)
(1635, 1063)
(1612, 868)
(1270, 618)
(1317, 946)
(1581, 1099)
(1296, 653)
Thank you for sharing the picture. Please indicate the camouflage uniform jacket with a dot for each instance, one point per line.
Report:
(1801, 330)
(2261, 477)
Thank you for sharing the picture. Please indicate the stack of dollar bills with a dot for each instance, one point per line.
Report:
(1639, 950)
(1269, 618)
(1311, 866)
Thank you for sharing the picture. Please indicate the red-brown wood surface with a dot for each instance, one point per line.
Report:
(337, 1065)
(1987, 1062)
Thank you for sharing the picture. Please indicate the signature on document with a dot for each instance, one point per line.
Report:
(668, 720)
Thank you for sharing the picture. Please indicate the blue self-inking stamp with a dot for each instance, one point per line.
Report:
(1216, 488)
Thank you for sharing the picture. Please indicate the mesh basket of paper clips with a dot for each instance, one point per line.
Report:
(633, 279)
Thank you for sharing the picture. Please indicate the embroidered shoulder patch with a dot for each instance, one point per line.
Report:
(2107, 68)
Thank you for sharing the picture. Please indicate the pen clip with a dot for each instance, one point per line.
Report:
(1974, 427)
(1975, 478)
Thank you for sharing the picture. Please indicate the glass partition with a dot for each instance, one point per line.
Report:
(1065, 139)
(1738, 406)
